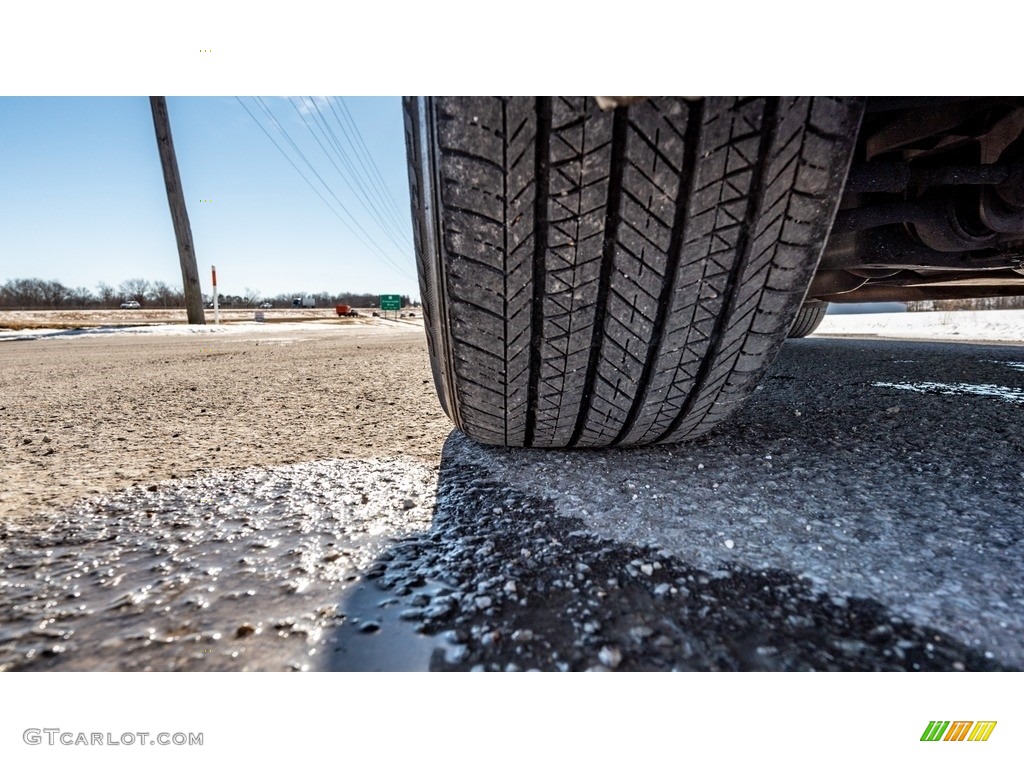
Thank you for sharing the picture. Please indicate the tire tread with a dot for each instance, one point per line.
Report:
(625, 277)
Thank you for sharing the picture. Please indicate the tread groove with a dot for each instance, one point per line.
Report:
(694, 118)
(540, 246)
(743, 246)
(611, 227)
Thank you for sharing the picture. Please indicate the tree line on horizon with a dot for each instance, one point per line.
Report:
(35, 293)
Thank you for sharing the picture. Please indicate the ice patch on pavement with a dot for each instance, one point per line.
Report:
(227, 570)
(1008, 363)
(937, 388)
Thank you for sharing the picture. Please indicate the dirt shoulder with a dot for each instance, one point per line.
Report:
(89, 415)
(91, 318)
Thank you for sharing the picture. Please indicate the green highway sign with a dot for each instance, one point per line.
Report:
(390, 302)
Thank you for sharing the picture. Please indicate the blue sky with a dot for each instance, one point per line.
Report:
(82, 197)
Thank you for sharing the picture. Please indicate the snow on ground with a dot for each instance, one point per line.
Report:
(177, 329)
(987, 325)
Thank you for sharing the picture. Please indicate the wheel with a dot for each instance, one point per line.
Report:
(808, 319)
(596, 278)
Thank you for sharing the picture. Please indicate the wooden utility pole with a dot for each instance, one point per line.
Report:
(179, 215)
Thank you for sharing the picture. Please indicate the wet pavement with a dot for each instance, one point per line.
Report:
(834, 525)
(227, 570)
(910, 494)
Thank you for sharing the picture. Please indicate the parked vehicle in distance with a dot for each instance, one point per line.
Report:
(306, 301)
(266, 305)
(131, 305)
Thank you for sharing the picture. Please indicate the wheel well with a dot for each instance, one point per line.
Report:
(933, 205)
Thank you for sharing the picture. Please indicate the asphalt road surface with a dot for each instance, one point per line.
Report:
(864, 511)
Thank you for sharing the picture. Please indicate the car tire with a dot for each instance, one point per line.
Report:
(594, 278)
(808, 319)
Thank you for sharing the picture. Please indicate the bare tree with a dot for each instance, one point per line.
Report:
(81, 298)
(20, 293)
(136, 288)
(164, 295)
(251, 296)
(53, 293)
(106, 294)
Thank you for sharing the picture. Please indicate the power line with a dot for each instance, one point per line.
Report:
(385, 212)
(370, 157)
(277, 124)
(326, 186)
(371, 209)
(378, 186)
(301, 154)
(373, 164)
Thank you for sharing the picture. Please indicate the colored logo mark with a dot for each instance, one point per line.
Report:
(958, 730)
